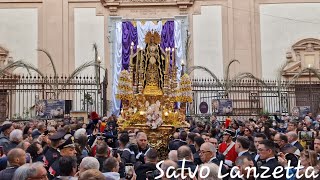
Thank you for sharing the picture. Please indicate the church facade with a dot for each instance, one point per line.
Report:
(260, 34)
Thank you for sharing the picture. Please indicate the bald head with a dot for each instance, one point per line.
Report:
(184, 152)
(176, 135)
(173, 155)
(16, 157)
(168, 164)
(209, 147)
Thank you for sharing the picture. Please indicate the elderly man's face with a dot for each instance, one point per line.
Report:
(41, 174)
(205, 153)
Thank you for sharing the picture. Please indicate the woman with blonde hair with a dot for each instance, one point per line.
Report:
(308, 158)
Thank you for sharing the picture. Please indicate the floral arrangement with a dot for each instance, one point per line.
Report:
(154, 115)
(185, 90)
(125, 89)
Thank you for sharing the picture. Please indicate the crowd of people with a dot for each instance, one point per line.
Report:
(206, 151)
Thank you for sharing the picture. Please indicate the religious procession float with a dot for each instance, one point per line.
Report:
(152, 96)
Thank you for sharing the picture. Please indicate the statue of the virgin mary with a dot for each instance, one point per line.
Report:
(154, 65)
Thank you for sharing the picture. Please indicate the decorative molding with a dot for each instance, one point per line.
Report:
(114, 5)
(309, 44)
(299, 54)
(3, 52)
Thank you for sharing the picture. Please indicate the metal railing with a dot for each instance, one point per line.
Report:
(248, 97)
(19, 94)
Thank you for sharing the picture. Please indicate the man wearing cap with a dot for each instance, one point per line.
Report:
(6, 129)
(67, 148)
(52, 153)
(227, 148)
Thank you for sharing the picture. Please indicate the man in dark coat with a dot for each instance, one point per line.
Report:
(16, 158)
(242, 146)
(185, 156)
(143, 147)
(67, 148)
(149, 168)
(208, 155)
(190, 141)
(198, 141)
(243, 163)
(6, 129)
(178, 143)
(52, 153)
(266, 150)
(293, 140)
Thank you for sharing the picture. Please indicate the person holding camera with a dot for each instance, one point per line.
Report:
(148, 170)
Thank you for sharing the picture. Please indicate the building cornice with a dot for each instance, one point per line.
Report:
(114, 5)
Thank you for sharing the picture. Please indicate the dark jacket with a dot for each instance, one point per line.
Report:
(143, 168)
(50, 156)
(272, 164)
(176, 143)
(223, 169)
(101, 160)
(4, 140)
(54, 170)
(193, 149)
(196, 158)
(248, 155)
(7, 174)
(10, 146)
(187, 164)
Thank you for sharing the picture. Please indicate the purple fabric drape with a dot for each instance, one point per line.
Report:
(167, 37)
(129, 35)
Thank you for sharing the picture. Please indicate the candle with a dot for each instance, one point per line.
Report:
(173, 59)
(167, 61)
(141, 59)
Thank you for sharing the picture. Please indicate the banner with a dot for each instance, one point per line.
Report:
(221, 106)
(50, 108)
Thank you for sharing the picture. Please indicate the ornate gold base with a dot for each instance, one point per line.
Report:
(152, 91)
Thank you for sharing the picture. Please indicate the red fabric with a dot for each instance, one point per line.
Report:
(93, 150)
(102, 126)
(94, 115)
(228, 120)
(232, 154)
(52, 171)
